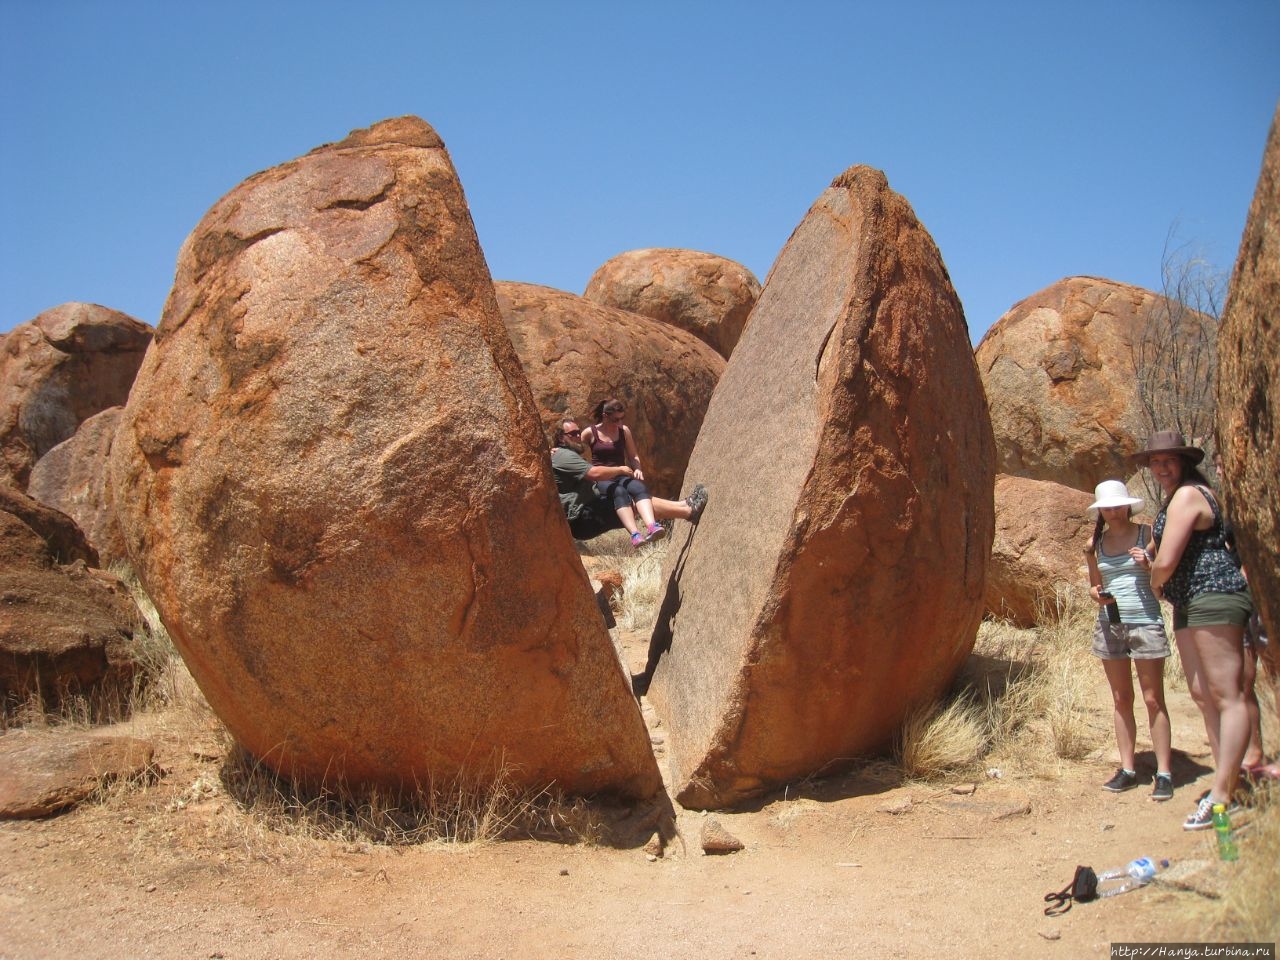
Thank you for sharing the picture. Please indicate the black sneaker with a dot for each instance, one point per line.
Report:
(1122, 781)
(1163, 789)
(697, 502)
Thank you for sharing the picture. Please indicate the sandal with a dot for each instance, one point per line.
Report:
(1261, 771)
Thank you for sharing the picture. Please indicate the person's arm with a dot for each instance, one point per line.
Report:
(633, 456)
(1180, 521)
(1095, 577)
(598, 472)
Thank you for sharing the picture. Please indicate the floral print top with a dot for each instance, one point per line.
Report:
(1207, 565)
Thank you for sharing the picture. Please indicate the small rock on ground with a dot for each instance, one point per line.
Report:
(42, 773)
(716, 839)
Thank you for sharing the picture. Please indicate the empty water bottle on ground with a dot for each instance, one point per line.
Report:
(1138, 873)
(1227, 849)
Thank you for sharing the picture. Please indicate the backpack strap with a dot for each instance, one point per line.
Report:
(1059, 902)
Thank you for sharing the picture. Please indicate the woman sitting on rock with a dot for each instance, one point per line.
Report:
(1129, 627)
(613, 447)
(590, 514)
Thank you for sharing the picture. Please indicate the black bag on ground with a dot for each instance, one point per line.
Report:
(1082, 888)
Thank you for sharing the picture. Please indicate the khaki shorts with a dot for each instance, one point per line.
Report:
(1130, 641)
(1214, 610)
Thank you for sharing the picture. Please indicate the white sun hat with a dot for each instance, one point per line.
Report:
(1113, 493)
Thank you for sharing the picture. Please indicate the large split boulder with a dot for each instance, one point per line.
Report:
(331, 477)
(58, 370)
(72, 477)
(1061, 370)
(67, 630)
(1249, 390)
(708, 295)
(577, 353)
(835, 581)
(1037, 556)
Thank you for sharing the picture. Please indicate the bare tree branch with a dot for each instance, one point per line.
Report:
(1175, 349)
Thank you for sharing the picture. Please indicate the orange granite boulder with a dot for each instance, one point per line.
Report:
(332, 479)
(835, 581)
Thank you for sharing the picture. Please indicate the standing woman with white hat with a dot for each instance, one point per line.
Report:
(1196, 572)
(1130, 628)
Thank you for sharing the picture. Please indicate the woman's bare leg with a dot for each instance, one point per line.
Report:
(1120, 680)
(1151, 679)
(1198, 688)
(1222, 663)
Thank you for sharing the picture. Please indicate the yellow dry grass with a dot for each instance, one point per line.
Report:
(942, 739)
(1250, 911)
(457, 810)
(1025, 698)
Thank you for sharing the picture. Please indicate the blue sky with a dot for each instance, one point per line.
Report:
(1035, 141)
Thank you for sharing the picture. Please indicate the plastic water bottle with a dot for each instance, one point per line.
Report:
(1138, 873)
(1227, 849)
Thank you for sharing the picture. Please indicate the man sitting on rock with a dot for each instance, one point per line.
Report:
(588, 512)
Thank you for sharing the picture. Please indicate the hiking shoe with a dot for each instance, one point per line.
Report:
(1202, 819)
(1163, 789)
(697, 502)
(656, 531)
(638, 539)
(1122, 781)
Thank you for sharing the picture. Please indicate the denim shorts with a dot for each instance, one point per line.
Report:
(1129, 641)
(1211, 609)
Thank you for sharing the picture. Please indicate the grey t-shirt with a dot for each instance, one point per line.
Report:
(575, 490)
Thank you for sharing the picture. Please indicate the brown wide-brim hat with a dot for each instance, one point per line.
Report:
(1167, 441)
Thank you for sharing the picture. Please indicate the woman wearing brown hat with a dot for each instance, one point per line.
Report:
(1194, 571)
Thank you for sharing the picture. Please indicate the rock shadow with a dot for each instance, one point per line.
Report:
(660, 639)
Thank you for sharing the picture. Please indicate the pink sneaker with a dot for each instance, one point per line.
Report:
(656, 531)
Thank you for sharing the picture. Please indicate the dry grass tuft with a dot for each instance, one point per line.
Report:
(642, 588)
(1024, 697)
(1066, 671)
(941, 739)
(1250, 911)
(614, 543)
(461, 810)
